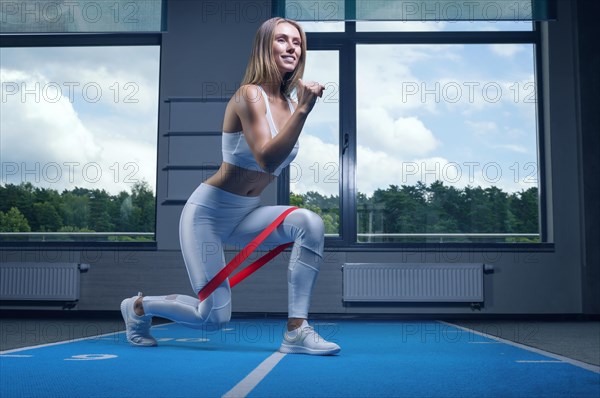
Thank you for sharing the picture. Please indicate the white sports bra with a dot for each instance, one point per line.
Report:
(237, 152)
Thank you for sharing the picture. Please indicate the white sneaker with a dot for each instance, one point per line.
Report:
(137, 327)
(305, 340)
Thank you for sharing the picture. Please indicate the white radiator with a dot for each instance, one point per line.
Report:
(383, 282)
(40, 281)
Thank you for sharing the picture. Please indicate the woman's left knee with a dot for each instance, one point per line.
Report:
(310, 228)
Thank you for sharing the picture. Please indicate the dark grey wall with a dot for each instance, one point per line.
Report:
(204, 53)
(588, 32)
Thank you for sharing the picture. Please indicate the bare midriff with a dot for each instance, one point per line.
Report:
(240, 181)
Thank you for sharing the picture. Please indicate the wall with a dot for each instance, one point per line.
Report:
(588, 58)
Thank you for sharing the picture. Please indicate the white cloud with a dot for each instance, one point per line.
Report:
(40, 129)
(377, 169)
(483, 127)
(322, 66)
(512, 147)
(93, 77)
(316, 168)
(390, 77)
(49, 143)
(406, 136)
(507, 50)
(126, 92)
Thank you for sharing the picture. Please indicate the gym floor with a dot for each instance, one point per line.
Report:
(381, 357)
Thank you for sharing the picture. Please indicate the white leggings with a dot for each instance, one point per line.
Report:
(213, 217)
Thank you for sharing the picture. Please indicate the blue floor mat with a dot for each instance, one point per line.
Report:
(378, 359)
(393, 359)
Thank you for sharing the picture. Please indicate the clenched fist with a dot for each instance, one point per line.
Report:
(307, 94)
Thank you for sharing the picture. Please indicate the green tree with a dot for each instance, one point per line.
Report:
(13, 221)
(20, 196)
(100, 206)
(296, 200)
(75, 209)
(497, 202)
(326, 207)
(439, 215)
(447, 209)
(144, 205)
(47, 218)
(399, 210)
(125, 216)
(80, 209)
(523, 208)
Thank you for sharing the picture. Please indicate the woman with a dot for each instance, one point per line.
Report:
(260, 137)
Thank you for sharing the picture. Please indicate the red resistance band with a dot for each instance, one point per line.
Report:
(215, 282)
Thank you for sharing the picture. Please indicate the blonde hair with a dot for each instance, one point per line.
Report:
(261, 65)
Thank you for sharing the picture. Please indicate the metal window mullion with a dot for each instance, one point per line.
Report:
(443, 37)
(80, 40)
(348, 155)
(335, 43)
(541, 156)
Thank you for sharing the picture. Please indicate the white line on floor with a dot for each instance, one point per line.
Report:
(587, 366)
(99, 336)
(528, 361)
(59, 342)
(244, 387)
(14, 356)
(484, 342)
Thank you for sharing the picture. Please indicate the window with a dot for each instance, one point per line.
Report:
(439, 123)
(314, 174)
(68, 16)
(446, 143)
(78, 143)
(78, 132)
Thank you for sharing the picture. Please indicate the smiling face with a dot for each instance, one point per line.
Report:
(278, 55)
(287, 47)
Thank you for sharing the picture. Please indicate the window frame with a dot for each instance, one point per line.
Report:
(24, 40)
(346, 42)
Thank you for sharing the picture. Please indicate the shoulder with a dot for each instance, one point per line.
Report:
(247, 101)
(249, 94)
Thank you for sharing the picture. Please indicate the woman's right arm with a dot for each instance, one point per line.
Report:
(268, 151)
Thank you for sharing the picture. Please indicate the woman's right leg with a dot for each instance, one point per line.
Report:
(209, 216)
(202, 252)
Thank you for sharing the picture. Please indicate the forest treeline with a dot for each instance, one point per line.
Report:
(26, 208)
(436, 208)
(419, 208)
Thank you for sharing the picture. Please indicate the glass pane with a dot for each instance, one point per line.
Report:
(452, 10)
(443, 26)
(78, 139)
(312, 11)
(323, 26)
(447, 143)
(314, 174)
(411, 10)
(68, 16)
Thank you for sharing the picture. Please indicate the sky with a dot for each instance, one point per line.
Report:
(83, 117)
(462, 114)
